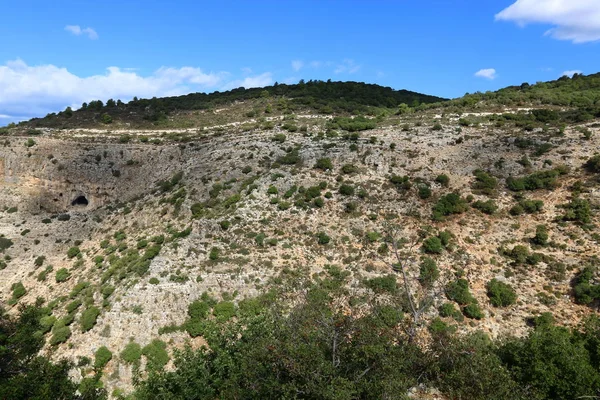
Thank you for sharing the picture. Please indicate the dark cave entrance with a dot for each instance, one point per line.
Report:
(80, 201)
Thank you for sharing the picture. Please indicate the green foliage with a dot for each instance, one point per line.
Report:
(527, 206)
(272, 190)
(577, 210)
(5, 243)
(538, 180)
(355, 124)
(346, 190)
(541, 235)
(585, 290)
(156, 354)
(132, 353)
(102, 356)
(484, 182)
(593, 164)
(449, 204)
(62, 275)
(324, 164)
(501, 294)
(60, 334)
(459, 292)
(383, 284)
(487, 207)
(349, 169)
(443, 180)
(280, 138)
(88, 318)
(428, 272)
(433, 245)
(448, 310)
(214, 254)
(224, 311)
(73, 252)
(323, 238)
(401, 182)
(424, 192)
(18, 290)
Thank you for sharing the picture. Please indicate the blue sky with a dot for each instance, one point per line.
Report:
(61, 53)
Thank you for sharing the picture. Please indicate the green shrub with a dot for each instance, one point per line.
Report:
(323, 238)
(527, 206)
(501, 294)
(102, 356)
(428, 272)
(88, 318)
(349, 169)
(18, 290)
(584, 290)
(487, 207)
(448, 204)
(593, 164)
(484, 182)
(224, 311)
(401, 182)
(541, 235)
(346, 190)
(214, 254)
(73, 252)
(473, 311)
(324, 164)
(424, 192)
(577, 210)
(280, 138)
(433, 245)
(156, 354)
(60, 334)
(448, 310)
(132, 353)
(538, 180)
(443, 180)
(383, 284)
(62, 275)
(272, 190)
(198, 309)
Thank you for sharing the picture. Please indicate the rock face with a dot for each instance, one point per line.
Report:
(55, 176)
(239, 194)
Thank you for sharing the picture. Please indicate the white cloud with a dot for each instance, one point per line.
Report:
(575, 20)
(572, 72)
(261, 80)
(347, 66)
(315, 64)
(297, 65)
(77, 31)
(37, 90)
(487, 73)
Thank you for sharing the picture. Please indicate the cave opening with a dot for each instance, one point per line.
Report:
(80, 201)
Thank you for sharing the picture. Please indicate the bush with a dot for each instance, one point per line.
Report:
(500, 293)
(224, 311)
(433, 245)
(383, 284)
(349, 169)
(323, 238)
(198, 309)
(538, 180)
(487, 207)
(73, 252)
(324, 164)
(214, 254)
(473, 311)
(5, 243)
(60, 334)
(62, 275)
(132, 353)
(584, 290)
(428, 272)
(401, 182)
(459, 292)
(527, 206)
(18, 290)
(424, 192)
(88, 318)
(593, 164)
(272, 190)
(156, 354)
(484, 182)
(346, 190)
(102, 356)
(541, 235)
(443, 180)
(577, 210)
(448, 204)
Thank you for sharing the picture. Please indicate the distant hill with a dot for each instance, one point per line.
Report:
(580, 91)
(323, 97)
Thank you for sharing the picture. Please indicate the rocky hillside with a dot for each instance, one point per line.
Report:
(117, 231)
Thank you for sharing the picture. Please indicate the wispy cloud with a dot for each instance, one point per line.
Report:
(78, 31)
(487, 73)
(37, 90)
(574, 20)
(572, 72)
(297, 65)
(347, 66)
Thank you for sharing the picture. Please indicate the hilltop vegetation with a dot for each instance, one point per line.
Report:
(318, 96)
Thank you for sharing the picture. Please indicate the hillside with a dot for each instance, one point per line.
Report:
(313, 96)
(333, 227)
